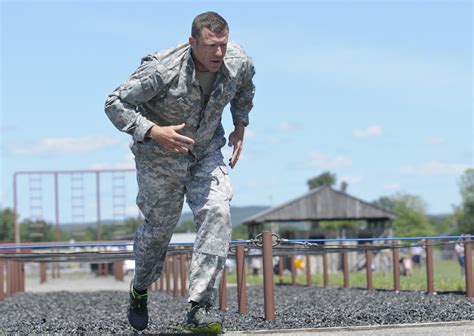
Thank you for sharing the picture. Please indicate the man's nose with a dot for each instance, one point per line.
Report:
(219, 51)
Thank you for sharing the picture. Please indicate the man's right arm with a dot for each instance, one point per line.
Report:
(121, 105)
(140, 87)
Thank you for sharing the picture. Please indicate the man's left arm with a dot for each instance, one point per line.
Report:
(240, 107)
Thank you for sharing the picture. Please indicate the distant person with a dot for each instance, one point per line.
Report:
(416, 255)
(172, 107)
(406, 265)
(459, 249)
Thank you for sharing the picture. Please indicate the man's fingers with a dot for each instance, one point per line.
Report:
(235, 155)
(183, 139)
(178, 127)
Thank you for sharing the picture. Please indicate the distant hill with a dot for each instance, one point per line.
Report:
(238, 214)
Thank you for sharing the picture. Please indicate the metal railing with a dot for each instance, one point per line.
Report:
(13, 256)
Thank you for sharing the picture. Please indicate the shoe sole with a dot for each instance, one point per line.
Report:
(211, 328)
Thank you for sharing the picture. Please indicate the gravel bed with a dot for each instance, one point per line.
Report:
(296, 307)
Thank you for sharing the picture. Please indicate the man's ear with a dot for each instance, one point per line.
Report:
(192, 41)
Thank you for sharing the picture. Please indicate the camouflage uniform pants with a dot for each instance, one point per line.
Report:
(160, 198)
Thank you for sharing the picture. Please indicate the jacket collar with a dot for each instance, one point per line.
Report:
(189, 69)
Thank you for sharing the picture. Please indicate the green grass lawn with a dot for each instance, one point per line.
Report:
(447, 277)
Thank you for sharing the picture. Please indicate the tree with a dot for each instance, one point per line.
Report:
(344, 185)
(464, 215)
(186, 226)
(36, 231)
(385, 202)
(6, 225)
(326, 178)
(411, 218)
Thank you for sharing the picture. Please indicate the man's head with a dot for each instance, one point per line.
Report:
(209, 36)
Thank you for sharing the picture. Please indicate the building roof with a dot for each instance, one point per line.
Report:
(322, 203)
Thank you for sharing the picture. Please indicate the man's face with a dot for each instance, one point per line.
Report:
(209, 49)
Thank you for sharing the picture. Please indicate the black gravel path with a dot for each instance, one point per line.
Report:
(296, 307)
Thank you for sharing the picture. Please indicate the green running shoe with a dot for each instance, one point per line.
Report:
(202, 319)
(137, 311)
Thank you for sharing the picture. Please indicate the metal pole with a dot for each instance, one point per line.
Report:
(16, 226)
(308, 270)
(183, 274)
(325, 270)
(268, 289)
(345, 269)
(429, 266)
(223, 290)
(368, 267)
(56, 206)
(468, 267)
(241, 281)
(97, 191)
(396, 267)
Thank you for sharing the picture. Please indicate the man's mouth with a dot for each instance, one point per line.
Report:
(216, 62)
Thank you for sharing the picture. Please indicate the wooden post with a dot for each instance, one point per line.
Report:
(293, 271)
(268, 286)
(468, 267)
(167, 274)
(241, 281)
(345, 268)
(308, 270)
(368, 257)
(280, 269)
(2, 286)
(22, 276)
(396, 267)
(42, 270)
(325, 270)
(183, 274)
(223, 290)
(429, 266)
(175, 275)
(161, 282)
(118, 270)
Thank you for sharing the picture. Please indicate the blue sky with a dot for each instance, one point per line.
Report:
(378, 92)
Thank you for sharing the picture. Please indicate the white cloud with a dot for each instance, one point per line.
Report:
(127, 162)
(391, 186)
(321, 160)
(286, 126)
(372, 131)
(434, 141)
(435, 168)
(132, 211)
(249, 133)
(78, 145)
(351, 180)
(380, 67)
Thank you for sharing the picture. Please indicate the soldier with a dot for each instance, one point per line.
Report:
(172, 106)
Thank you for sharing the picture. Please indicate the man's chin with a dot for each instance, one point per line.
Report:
(214, 67)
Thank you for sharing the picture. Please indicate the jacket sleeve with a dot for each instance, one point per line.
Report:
(242, 102)
(122, 105)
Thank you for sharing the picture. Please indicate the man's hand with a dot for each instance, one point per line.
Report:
(168, 138)
(236, 139)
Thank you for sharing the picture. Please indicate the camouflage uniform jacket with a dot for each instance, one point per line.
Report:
(164, 91)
